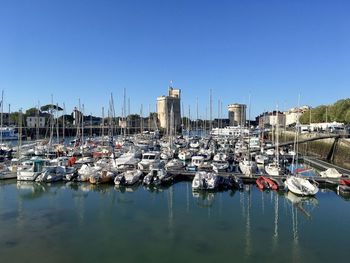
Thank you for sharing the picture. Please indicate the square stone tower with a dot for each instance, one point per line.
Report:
(165, 106)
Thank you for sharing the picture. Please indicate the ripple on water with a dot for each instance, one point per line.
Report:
(202, 247)
(9, 215)
(10, 243)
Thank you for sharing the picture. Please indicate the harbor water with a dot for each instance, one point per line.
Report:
(71, 222)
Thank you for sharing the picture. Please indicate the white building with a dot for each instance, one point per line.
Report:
(35, 121)
(293, 114)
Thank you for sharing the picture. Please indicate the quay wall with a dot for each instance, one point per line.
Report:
(326, 149)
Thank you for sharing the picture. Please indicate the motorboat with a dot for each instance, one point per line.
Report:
(54, 174)
(86, 171)
(128, 178)
(185, 155)
(220, 157)
(205, 181)
(331, 173)
(197, 160)
(101, 177)
(174, 164)
(157, 176)
(230, 182)
(301, 186)
(8, 133)
(29, 170)
(149, 160)
(125, 161)
(220, 166)
(8, 171)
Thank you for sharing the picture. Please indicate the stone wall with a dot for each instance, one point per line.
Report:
(322, 149)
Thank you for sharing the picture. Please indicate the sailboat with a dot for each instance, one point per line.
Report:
(274, 168)
(296, 184)
(301, 186)
(247, 165)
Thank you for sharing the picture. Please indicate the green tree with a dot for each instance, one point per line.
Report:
(32, 112)
(50, 107)
(339, 111)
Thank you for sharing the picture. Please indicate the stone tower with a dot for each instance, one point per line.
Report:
(164, 106)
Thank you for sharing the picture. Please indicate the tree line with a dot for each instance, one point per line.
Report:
(339, 112)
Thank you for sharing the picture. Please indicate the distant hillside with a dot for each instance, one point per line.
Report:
(339, 112)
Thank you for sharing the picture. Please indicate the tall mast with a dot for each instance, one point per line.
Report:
(82, 125)
(91, 124)
(218, 113)
(19, 134)
(2, 113)
(103, 121)
(37, 121)
(211, 111)
(141, 119)
(57, 127)
(124, 110)
(189, 120)
(249, 132)
(51, 121)
(63, 122)
(197, 118)
(277, 135)
(127, 118)
(206, 119)
(182, 119)
(112, 114)
(149, 117)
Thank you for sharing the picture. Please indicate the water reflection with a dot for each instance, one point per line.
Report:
(303, 204)
(31, 190)
(247, 223)
(129, 189)
(204, 199)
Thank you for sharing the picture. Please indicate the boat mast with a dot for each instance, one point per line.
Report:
(37, 115)
(82, 123)
(128, 117)
(149, 117)
(51, 122)
(57, 128)
(124, 112)
(90, 124)
(103, 122)
(182, 119)
(141, 119)
(63, 122)
(197, 118)
(19, 134)
(2, 113)
(211, 111)
(277, 136)
(189, 120)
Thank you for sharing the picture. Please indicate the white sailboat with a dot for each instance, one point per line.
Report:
(301, 186)
(274, 168)
(248, 167)
(295, 184)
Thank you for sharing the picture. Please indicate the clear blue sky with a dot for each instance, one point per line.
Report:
(84, 49)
